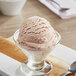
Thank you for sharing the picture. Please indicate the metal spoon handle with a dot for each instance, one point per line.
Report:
(62, 9)
(66, 73)
(56, 3)
(73, 71)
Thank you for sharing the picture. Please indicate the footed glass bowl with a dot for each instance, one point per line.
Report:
(36, 65)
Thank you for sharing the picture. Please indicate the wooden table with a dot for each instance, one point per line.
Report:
(67, 28)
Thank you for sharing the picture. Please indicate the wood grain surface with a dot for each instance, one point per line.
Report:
(67, 28)
(9, 48)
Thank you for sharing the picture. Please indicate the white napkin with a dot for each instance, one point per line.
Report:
(8, 65)
(71, 4)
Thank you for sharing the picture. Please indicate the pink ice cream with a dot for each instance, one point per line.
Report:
(37, 34)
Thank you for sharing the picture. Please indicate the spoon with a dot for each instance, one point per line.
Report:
(72, 69)
(62, 9)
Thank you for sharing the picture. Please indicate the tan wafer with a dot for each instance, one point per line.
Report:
(9, 48)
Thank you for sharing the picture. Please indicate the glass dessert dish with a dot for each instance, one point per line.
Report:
(36, 65)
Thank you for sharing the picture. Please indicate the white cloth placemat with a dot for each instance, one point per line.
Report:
(71, 4)
(9, 65)
(65, 53)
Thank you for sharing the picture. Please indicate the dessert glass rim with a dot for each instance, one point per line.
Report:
(15, 37)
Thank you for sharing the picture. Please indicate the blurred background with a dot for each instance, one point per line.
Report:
(66, 26)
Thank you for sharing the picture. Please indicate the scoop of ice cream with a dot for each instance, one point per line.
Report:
(36, 34)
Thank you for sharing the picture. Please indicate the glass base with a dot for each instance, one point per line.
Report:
(24, 70)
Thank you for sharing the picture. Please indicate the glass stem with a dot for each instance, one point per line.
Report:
(35, 65)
